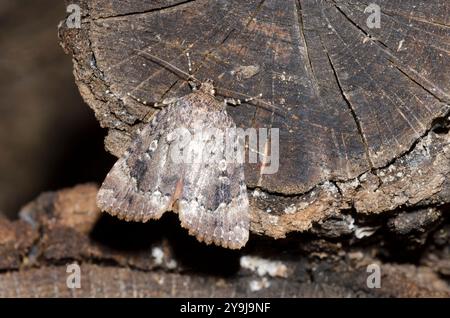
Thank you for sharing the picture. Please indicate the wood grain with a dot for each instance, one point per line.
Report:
(367, 109)
(120, 259)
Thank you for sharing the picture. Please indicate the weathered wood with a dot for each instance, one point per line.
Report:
(119, 259)
(108, 281)
(367, 123)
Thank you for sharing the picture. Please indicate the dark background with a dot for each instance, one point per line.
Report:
(49, 137)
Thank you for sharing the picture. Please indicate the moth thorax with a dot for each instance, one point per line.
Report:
(208, 88)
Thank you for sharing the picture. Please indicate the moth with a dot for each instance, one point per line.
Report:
(210, 196)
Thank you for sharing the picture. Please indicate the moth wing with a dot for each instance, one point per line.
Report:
(211, 194)
(214, 204)
(142, 183)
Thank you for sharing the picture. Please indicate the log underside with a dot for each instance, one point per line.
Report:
(159, 259)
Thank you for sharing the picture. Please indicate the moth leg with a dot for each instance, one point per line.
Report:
(189, 63)
(159, 105)
(165, 102)
(192, 84)
(236, 102)
(137, 99)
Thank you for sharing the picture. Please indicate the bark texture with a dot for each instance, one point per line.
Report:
(119, 259)
(366, 130)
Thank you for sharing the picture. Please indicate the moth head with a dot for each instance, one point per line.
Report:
(208, 87)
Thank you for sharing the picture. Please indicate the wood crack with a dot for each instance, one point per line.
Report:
(374, 40)
(301, 27)
(392, 17)
(352, 112)
(158, 9)
(409, 77)
(411, 17)
(386, 50)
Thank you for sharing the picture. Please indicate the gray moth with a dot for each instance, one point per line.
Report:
(210, 196)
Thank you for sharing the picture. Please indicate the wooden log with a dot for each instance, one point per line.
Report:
(367, 108)
(119, 259)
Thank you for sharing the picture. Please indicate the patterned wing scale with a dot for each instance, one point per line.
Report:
(206, 189)
(140, 185)
(214, 204)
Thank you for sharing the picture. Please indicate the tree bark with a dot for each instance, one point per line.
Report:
(159, 259)
(366, 131)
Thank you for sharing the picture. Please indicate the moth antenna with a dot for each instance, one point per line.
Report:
(251, 100)
(189, 63)
(220, 91)
(177, 71)
(156, 105)
(137, 99)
